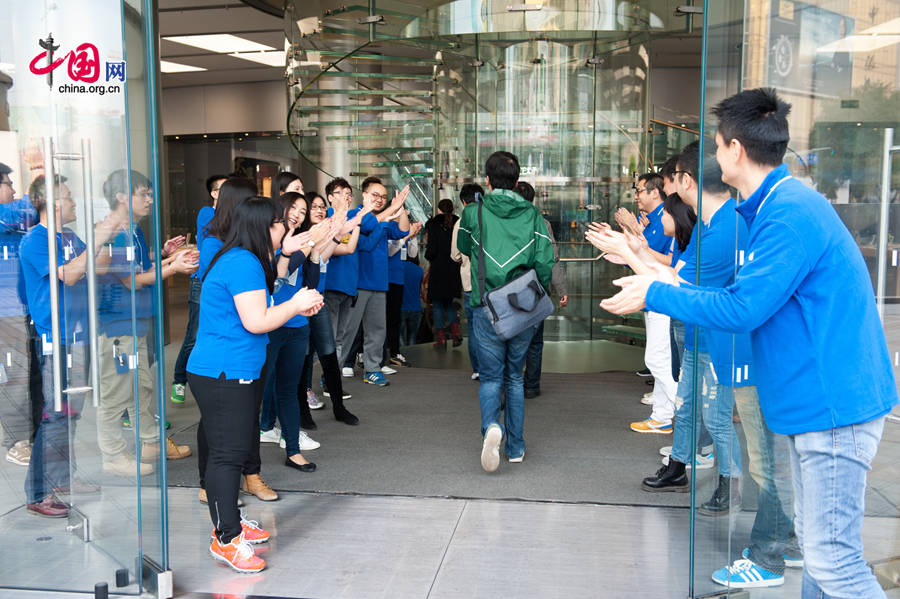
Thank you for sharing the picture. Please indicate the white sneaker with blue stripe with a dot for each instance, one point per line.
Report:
(744, 574)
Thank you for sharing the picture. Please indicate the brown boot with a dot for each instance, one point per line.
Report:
(456, 334)
(175, 451)
(255, 485)
(202, 497)
(440, 338)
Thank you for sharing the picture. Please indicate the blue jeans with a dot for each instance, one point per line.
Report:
(501, 364)
(716, 401)
(773, 531)
(470, 322)
(284, 361)
(829, 470)
(51, 456)
(190, 334)
(533, 359)
(409, 326)
(444, 313)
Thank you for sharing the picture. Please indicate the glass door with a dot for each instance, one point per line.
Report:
(81, 274)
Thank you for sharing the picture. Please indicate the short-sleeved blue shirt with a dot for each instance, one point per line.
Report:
(203, 217)
(293, 284)
(412, 280)
(35, 263)
(115, 298)
(718, 247)
(223, 344)
(211, 247)
(655, 233)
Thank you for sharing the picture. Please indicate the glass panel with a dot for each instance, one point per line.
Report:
(77, 125)
(836, 65)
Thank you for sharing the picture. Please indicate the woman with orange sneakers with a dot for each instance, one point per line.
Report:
(226, 364)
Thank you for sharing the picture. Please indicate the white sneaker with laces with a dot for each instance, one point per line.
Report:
(388, 370)
(346, 372)
(307, 443)
(647, 399)
(270, 436)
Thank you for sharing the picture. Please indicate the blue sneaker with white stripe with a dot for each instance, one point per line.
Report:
(376, 378)
(744, 574)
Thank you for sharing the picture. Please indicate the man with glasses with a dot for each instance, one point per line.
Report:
(205, 215)
(343, 270)
(370, 307)
(658, 352)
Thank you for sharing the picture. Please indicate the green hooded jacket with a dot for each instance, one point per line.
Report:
(515, 239)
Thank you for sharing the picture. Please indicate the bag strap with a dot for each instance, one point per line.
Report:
(481, 276)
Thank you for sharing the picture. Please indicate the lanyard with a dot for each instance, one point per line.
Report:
(774, 187)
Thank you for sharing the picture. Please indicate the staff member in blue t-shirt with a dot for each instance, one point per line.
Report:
(48, 468)
(825, 384)
(126, 312)
(372, 286)
(179, 378)
(225, 368)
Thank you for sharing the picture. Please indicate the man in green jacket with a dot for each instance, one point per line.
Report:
(515, 239)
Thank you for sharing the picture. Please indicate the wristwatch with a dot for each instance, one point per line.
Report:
(312, 243)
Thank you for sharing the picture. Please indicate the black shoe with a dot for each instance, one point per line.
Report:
(720, 501)
(531, 393)
(644, 372)
(668, 479)
(346, 417)
(311, 467)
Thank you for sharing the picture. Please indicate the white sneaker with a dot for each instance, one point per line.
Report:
(647, 399)
(490, 448)
(307, 443)
(270, 436)
(313, 401)
(474, 376)
(388, 370)
(347, 373)
(517, 460)
(665, 451)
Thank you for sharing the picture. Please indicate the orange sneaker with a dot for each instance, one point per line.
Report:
(238, 554)
(251, 531)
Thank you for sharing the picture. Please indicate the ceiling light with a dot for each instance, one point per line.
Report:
(173, 67)
(221, 43)
(860, 43)
(274, 58)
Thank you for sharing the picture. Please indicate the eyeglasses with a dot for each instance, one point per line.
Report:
(6, 183)
(378, 196)
(639, 190)
(318, 207)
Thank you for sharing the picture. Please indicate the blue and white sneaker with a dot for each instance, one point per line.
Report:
(376, 378)
(789, 562)
(744, 574)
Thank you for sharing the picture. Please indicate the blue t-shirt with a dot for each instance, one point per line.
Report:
(343, 273)
(35, 262)
(655, 233)
(16, 218)
(223, 344)
(115, 298)
(718, 246)
(211, 247)
(412, 280)
(203, 217)
(292, 284)
(373, 257)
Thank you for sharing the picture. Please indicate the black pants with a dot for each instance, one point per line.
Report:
(394, 305)
(35, 381)
(228, 409)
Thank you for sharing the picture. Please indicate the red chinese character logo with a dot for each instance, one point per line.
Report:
(84, 62)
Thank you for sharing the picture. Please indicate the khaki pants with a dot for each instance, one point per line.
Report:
(117, 395)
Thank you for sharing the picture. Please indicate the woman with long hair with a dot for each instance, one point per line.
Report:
(284, 182)
(287, 344)
(232, 192)
(225, 368)
(321, 340)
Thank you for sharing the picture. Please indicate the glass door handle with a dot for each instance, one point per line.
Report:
(91, 274)
(50, 186)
